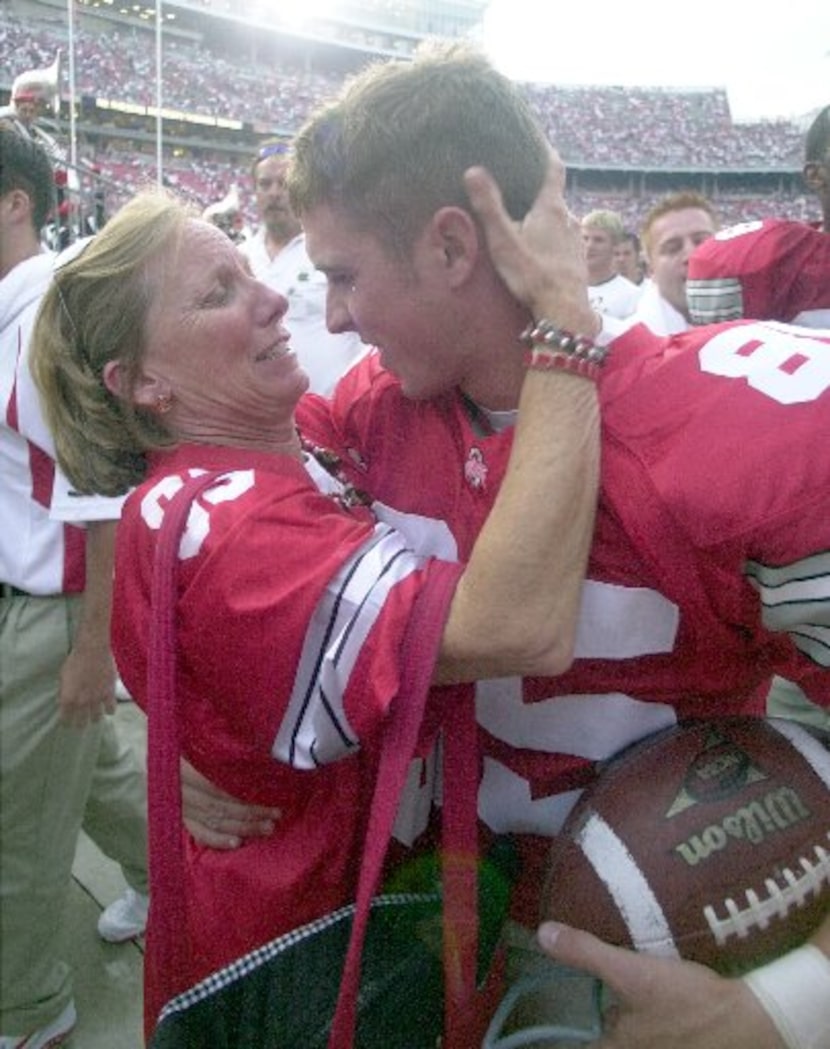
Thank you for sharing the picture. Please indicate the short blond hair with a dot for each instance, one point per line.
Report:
(610, 221)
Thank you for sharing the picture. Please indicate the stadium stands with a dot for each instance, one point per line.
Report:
(622, 146)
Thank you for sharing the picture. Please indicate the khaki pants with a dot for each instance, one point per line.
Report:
(53, 780)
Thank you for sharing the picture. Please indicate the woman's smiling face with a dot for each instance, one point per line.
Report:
(214, 336)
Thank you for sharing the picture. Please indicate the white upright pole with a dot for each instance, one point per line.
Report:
(73, 134)
(159, 96)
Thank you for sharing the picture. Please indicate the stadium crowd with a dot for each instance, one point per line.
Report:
(635, 129)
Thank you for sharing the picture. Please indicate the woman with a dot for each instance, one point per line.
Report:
(158, 357)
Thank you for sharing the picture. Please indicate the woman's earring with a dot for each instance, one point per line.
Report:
(164, 402)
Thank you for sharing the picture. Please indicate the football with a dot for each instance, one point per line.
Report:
(709, 841)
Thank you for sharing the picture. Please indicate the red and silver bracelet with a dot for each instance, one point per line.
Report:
(552, 347)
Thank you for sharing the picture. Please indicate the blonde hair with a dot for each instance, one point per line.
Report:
(609, 221)
(94, 312)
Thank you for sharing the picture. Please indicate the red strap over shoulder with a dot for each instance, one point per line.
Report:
(164, 801)
(400, 737)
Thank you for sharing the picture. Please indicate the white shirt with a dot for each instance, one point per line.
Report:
(658, 313)
(322, 355)
(616, 297)
(38, 553)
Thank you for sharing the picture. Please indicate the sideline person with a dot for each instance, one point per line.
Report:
(278, 258)
(671, 231)
(159, 355)
(628, 258)
(63, 765)
(680, 614)
(611, 293)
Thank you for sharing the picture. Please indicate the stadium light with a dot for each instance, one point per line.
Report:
(159, 92)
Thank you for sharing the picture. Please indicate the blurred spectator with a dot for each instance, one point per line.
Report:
(226, 214)
(609, 292)
(278, 258)
(628, 258)
(673, 228)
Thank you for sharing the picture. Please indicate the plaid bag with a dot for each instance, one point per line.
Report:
(285, 993)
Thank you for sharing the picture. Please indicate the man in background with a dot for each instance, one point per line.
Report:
(278, 258)
(672, 229)
(608, 291)
(628, 258)
(62, 766)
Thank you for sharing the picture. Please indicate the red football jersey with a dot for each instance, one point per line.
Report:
(709, 570)
(773, 269)
(291, 615)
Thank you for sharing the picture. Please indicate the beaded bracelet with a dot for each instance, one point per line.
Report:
(551, 347)
(540, 359)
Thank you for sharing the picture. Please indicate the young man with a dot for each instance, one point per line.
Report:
(672, 229)
(278, 258)
(609, 292)
(680, 615)
(62, 765)
(628, 258)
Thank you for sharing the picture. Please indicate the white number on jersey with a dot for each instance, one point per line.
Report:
(789, 365)
(229, 486)
(738, 230)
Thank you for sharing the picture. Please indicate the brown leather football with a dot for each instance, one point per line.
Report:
(710, 841)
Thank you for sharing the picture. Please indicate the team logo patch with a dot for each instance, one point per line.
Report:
(475, 469)
(721, 770)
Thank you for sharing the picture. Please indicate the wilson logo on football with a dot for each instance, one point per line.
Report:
(777, 811)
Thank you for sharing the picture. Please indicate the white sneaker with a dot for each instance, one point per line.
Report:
(47, 1037)
(124, 919)
(121, 693)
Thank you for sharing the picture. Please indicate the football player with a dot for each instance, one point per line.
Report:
(709, 568)
(771, 269)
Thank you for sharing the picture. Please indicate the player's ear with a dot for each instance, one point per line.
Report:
(454, 239)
